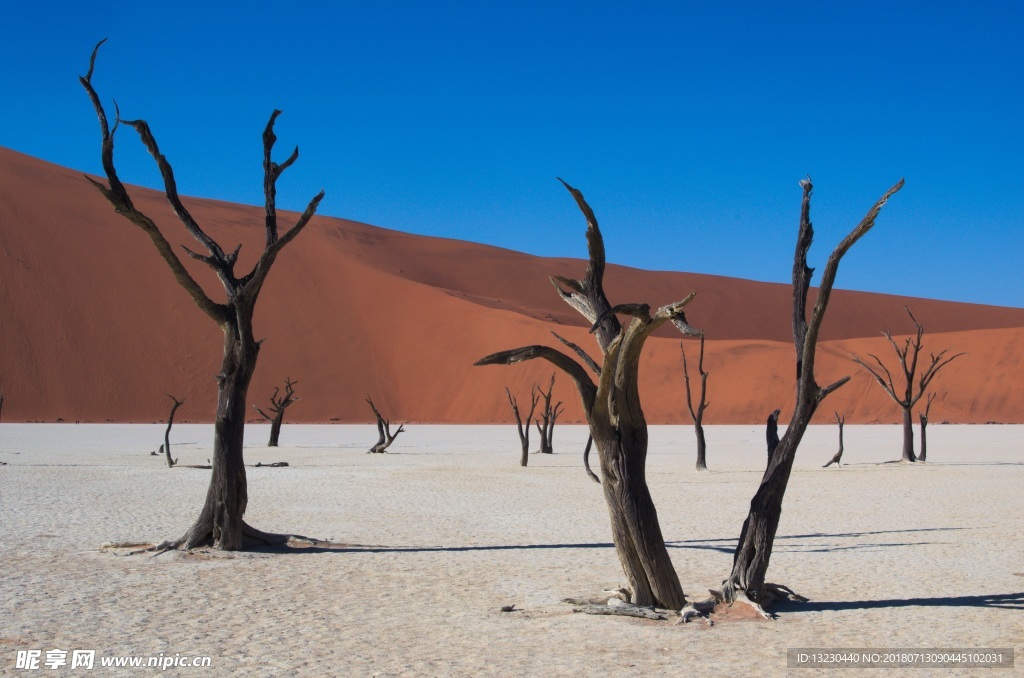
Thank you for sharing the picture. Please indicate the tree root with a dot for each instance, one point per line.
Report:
(623, 609)
(196, 539)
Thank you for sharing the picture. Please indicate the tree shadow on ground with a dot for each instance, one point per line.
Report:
(1006, 601)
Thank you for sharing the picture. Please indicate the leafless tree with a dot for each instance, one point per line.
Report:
(702, 404)
(546, 422)
(1, 404)
(524, 426)
(924, 425)
(838, 455)
(754, 548)
(385, 438)
(167, 434)
(278, 404)
(220, 521)
(908, 393)
(616, 420)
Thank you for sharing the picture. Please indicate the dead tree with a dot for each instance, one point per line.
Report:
(523, 426)
(924, 424)
(1, 404)
(616, 420)
(546, 422)
(385, 438)
(698, 414)
(167, 433)
(220, 521)
(278, 404)
(908, 393)
(754, 548)
(838, 455)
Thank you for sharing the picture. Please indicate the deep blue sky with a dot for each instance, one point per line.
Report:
(686, 124)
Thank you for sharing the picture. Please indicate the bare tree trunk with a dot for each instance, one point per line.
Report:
(911, 391)
(771, 433)
(754, 548)
(615, 417)
(220, 521)
(908, 435)
(384, 435)
(278, 404)
(523, 427)
(838, 455)
(924, 424)
(167, 434)
(698, 414)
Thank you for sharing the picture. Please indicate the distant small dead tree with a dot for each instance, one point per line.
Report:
(385, 437)
(546, 422)
(221, 521)
(1, 404)
(771, 433)
(524, 425)
(702, 404)
(924, 425)
(907, 393)
(166, 447)
(838, 455)
(278, 404)
(616, 420)
(746, 581)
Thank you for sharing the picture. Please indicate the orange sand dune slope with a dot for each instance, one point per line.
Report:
(93, 326)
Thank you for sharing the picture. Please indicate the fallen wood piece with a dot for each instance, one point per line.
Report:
(624, 610)
(276, 464)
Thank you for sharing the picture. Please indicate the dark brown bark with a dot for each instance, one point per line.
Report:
(924, 425)
(586, 460)
(615, 417)
(167, 434)
(278, 404)
(908, 393)
(697, 415)
(384, 435)
(220, 521)
(837, 457)
(546, 423)
(596, 369)
(523, 426)
(754, 548)
(771, 433)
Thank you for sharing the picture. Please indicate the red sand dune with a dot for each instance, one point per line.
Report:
(93, 326)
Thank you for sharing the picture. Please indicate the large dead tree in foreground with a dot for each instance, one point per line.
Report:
(754, 549)
(384, 435)
(523, 426)
(278, 404)
(702, 404)
(616, 420)
(908, 393)
(220, 521)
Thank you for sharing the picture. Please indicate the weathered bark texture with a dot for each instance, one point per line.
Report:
(523, 426)
(838, 455)
(924, 425)
(754, 548)
(616, 420)
(546, 422)
(908, 393)
(278, 404)
(220, 521)
(384, 435)
(771, 433)
(167, 434)
(697, 414)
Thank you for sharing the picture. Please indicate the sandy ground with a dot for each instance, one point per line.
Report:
(448, 529)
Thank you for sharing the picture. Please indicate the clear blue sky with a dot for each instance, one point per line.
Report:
(686, 124)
